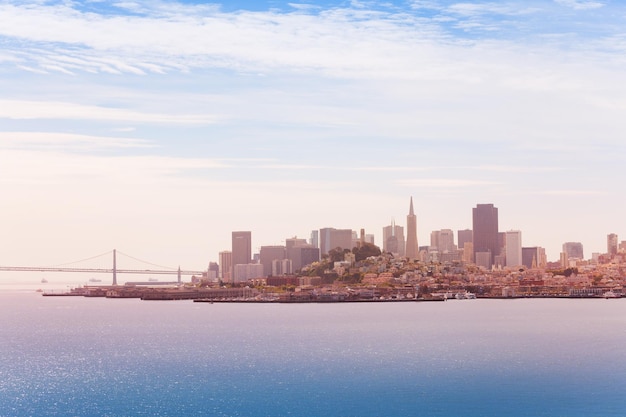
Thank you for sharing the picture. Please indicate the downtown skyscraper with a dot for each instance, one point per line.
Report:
(393, 239)
(513, 245)
(241, 250)
(411, 249)
(485, 234)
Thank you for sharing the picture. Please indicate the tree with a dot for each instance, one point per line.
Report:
(365, 251)
(336, 255)
(351, 278)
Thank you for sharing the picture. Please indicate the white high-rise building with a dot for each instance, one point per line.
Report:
(315, 239)
(331, 238)
(442, 241)
(513, 241)
(226, 265)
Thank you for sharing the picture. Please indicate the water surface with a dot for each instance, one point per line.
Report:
(102, 357)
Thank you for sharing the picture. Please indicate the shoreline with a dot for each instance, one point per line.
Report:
(246, 295)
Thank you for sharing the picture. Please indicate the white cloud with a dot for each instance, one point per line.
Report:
(444, 183)
(572, 192)
(23, 109)
(341, 105)
(479, 9)
(66, 141)
(304, 6)
(514, 168)
(339, 42)
(342, 167)
(57, 166)
(581, 4)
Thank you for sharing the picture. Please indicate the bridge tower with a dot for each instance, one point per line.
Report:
(179, 277)
(114, 268)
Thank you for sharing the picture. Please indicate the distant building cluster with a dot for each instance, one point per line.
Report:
(484, 247)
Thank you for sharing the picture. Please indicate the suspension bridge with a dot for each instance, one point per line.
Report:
(71, 267)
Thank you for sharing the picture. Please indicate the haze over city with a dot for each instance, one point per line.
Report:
(158, 128)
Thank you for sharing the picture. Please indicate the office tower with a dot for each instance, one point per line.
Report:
(466, 244)
(411, 250)
(442, 241)
(301, 256)
(534, 257)
(468, 252)
(293, 250)
(268, 254)
(446, 241)
(464, 236)
(573, 250)
(315, 239)
(244, 272)
(241, 248)
(485, 236)
(331, 238)
(501, 244)
(226, 265)
(281, 267)
(325, 240)
(369, 238)
(355, 240)
(542, 258)
(499, 261)
(294, 241)
(483, 259)
(611, 244)
(393, 239)
(529, 257)
(513, 244)
(434, 240)
(341, 238)
(213, 271)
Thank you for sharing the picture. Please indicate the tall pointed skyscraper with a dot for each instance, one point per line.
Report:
(411, 250)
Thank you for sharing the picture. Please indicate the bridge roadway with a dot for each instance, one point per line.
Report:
(101, 271)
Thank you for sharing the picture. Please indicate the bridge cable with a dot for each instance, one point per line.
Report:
(82, 260)
(146, 262)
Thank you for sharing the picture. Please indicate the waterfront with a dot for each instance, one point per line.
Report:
(77, 356)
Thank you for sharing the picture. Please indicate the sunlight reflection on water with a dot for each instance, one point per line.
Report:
(77, 356)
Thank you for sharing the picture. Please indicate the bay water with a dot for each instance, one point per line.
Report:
(74, 356)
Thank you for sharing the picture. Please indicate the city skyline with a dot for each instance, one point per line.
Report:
(490, 247)
(160, 128)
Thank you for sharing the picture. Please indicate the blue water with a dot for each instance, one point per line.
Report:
(72, 356)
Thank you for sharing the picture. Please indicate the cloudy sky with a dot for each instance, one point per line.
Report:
(158, 127)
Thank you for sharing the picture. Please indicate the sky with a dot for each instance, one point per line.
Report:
(158, 127)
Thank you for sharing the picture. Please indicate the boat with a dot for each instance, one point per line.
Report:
(610, 294)
(95, 280)
(152, 279)
(44, 281)
(465, 296)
